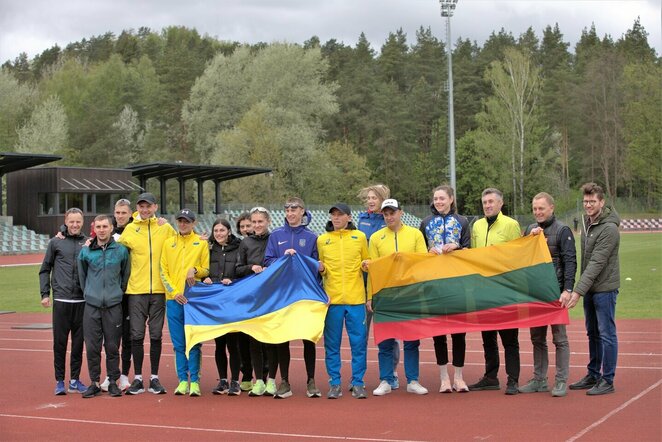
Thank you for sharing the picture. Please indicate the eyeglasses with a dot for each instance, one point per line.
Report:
(258, 210)
(292, 206)
(590, 203)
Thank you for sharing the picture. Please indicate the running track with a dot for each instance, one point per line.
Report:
(29, 411)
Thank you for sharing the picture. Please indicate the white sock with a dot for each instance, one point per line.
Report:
(154, 376)
(443, 371)
(458, 373)
(139, 377)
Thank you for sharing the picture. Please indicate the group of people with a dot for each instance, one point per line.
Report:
(134, 272)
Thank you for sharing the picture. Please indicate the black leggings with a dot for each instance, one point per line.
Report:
(309, 355)
(231, 341)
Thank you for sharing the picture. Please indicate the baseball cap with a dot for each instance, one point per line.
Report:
(391, 204)
(344, 208)
(147, 198)
(186, 214)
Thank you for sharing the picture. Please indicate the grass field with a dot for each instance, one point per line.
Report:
(640, 295)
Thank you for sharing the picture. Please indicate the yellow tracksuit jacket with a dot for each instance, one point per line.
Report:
(502, 230)
(181, 253)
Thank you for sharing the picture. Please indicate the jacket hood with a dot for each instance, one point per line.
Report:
(307, 218)
(94, 245)
(609, 215)
(371, 215)
(329, 226)
(137, 219)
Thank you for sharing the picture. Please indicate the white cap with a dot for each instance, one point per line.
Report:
(391, 204)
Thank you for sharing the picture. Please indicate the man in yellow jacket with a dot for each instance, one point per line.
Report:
(144, 238)
(396, 237)
(342, 249)
(184, 260)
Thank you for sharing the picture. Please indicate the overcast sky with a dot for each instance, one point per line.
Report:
(34, 25)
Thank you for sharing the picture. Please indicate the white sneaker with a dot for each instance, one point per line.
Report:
(104, 385)
(415, 387)
(124, 382)
(383, 389)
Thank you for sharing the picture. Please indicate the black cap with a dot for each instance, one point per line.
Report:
(187, 214)
(344, 208)
(147, 198)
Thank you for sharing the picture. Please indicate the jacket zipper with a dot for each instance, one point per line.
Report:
(149, 239)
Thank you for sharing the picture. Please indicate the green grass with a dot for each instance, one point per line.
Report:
(640, 295)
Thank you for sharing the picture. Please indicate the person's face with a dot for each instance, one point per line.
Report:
(592, 205)
(339, 219)
(442, 202)
(260, 223)
(542, 210)
(102, 230)
(245, 227)
(392, 218)
(184, 226)
(147, 210)
(122, 214)
(294, 215)
(221, 233)
(373, 202)
(74, 223)
(492, 204)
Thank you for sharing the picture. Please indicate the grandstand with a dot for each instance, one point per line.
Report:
(18, 240)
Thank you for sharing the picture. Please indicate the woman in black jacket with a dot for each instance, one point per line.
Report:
(224, 248)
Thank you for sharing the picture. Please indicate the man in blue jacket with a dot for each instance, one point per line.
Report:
(294, 237)
(103, 269)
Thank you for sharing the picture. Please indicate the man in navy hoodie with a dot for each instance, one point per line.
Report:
(294, 237)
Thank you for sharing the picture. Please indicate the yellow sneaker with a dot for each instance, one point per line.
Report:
(182, 388)
(195, 389)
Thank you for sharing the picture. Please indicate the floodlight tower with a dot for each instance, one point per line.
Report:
(447, 10)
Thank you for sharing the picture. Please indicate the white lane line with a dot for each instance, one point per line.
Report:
(614, 411)
(207, 430)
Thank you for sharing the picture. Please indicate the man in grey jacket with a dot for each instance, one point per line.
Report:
(598, 285)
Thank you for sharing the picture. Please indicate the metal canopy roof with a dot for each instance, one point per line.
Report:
(12, 161)
(102, 185)
(191, 171)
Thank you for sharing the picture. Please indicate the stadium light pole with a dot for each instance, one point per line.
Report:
(447, 9)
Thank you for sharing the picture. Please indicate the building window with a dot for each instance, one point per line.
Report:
(69, 200)
(48, 204)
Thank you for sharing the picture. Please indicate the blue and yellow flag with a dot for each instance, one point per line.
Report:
(283, 303)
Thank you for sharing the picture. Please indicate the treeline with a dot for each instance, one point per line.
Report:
(530, 115)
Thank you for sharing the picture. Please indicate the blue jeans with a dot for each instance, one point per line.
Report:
(184, 366)
(353, 316)
(599, 311)
(385, 357)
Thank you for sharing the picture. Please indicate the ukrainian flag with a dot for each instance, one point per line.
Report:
(510, 285)
(283, 303)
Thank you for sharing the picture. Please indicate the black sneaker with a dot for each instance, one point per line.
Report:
(92, 390)
(584, 383)
(136, 387)
(114, 390)
(156, 387)
(485, 383)
(222, 387)
(235, 389)
(512, 388)
(602, 387)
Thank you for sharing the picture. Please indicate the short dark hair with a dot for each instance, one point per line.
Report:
(240, 218)
(593, 189)
(103, 218)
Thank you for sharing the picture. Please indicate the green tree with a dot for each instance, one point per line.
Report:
(46, 131)
(15, 107)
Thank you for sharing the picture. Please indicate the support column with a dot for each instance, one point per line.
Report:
(201, 206)
(143, 182)
(182, 192)
(164, 205)
(1, 212)
(217, 192)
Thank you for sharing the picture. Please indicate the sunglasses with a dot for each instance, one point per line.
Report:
(292, 206)
(258, 210)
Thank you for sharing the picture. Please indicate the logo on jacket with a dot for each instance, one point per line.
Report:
(328, 241)
(302, 242)
(280, 243)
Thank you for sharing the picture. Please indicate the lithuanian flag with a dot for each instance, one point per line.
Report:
(283, 303)
(510, 285)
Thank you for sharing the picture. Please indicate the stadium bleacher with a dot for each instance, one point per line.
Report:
(18, 240)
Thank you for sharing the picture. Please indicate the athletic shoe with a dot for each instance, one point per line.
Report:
(156, 387)
(136, 387)
(104, 385)
(312, 390)
(460, 386)
(76, 386)
(535, 386)
(584, 383)
(182, 388)
(235, 389)
(485, 383)
(383, 389)
(359, 392)
(246, 385)
(395, 384)
(124, 382)
(222, 387)
(284, 391)
(335, 392)
(416, 388)
(559, 389)
(114, 390)
(258, 388)
(512, 388)
(271, 387)
(91, 391)
(445, 386)
(602, 387)
(195, 389)
(59, 389)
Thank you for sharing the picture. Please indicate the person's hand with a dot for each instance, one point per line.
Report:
(181, 299)
(87, 242)
(161, 221)
(368, 306)
(190, 277)
(204, 236)
(321, 267)
(59, 235)
(226, 281)
(536, 231)
(365, 265)
(257, 269)
(207, 280)
(434, 250)
(290, 252)
(447, 248)
(574, 298)
(46, 302)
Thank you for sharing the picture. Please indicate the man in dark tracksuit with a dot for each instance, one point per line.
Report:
(59, 272)
(104, 269)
